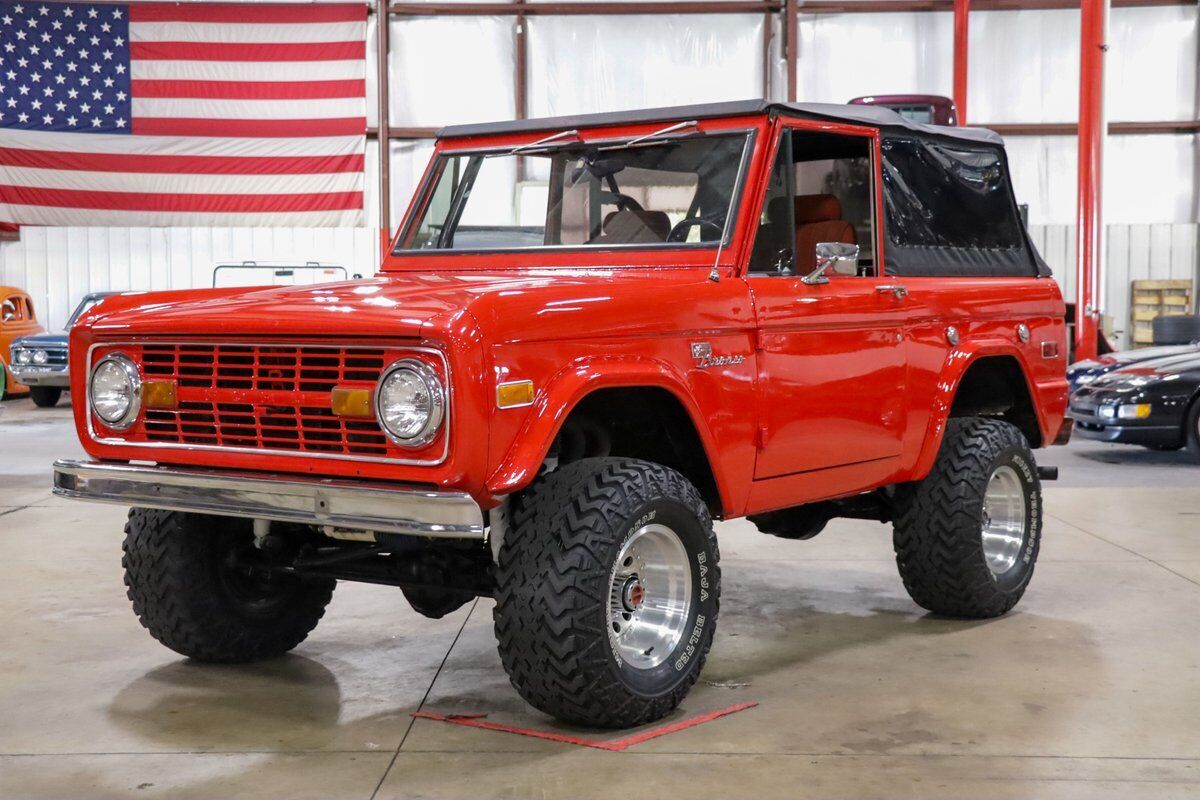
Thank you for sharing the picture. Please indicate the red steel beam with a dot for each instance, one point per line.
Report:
(962, 13)
(384, 133)
(1089, 226)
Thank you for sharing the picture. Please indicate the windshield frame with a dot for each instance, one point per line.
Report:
(84, 306)
(424, 195)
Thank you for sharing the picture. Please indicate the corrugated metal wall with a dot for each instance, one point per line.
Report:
(1134, 252)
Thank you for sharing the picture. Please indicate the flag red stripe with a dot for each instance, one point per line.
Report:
(251, 90)
(253, 51)
(247, 12)
(201, 203)
(171, 126)
(184, 165)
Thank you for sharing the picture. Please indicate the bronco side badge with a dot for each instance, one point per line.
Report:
(702, 352)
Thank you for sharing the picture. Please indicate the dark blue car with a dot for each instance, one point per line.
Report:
(40, 362)
(1154, 403)
(1082, 373)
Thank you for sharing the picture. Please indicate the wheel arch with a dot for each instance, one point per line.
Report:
(617, 396)
(991, 380)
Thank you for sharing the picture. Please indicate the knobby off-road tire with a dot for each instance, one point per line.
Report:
(940, 522)
(186, 590)
(580, 543)
(45, 396)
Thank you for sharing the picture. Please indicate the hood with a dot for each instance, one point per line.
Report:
(399, 304)
(384, 305)
(1147, 354)
(42, 340)
(1143, 373)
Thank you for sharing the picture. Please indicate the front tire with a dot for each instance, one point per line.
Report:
(967, 536)
(607, 592)
(189, 589)
(1192, 429)
(45, 396)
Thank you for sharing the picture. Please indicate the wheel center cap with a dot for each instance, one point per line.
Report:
(634, 594)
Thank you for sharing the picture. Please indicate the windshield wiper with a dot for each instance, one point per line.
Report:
(554, 138)
(650, 137)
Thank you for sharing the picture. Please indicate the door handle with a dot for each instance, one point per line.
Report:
(899, 291)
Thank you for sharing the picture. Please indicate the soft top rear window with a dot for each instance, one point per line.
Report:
(950, 210)
(675, 192)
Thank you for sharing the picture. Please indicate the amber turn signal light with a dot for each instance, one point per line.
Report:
(516, 393)
(159, 394)
(351, 402)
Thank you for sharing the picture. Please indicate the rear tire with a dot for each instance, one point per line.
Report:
(967, 536)
(599, 557)
(188, 590)
(45, 396)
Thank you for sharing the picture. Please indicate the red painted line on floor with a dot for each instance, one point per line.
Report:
(478, 721)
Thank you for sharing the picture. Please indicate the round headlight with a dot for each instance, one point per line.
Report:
(24, 356)
(410, 403)
(39, 356)
(114, 391)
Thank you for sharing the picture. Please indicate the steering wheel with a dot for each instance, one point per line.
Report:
(679, 232)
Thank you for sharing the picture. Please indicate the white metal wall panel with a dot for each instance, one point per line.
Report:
(1147, 179)
(449, 70)
(1134, 252)
(581, 64)
(842, 56)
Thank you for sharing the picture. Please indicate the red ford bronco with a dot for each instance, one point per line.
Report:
(594, 336)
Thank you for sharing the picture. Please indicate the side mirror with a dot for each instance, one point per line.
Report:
(842, 257)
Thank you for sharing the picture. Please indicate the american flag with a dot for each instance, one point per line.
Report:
(163, 114)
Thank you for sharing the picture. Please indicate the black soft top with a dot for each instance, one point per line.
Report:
(871, 116)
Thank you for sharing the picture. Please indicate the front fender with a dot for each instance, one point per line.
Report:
(579, 378)
(958, 361)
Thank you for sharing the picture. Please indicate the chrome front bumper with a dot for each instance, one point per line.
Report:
(308, 501)
(41, 376)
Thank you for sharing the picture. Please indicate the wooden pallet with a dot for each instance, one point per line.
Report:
(1155, 298)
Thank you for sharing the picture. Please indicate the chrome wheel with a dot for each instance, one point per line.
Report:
(650, 597)
(1003, 525)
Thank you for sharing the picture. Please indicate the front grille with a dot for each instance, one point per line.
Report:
(274, 368)
(263, 397)
(309, 429)
(56, 356)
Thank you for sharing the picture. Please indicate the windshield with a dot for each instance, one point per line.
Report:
(668, 193)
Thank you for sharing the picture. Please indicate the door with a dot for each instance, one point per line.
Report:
(831, 353)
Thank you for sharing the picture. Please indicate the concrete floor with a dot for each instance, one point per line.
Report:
(1089, 689)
